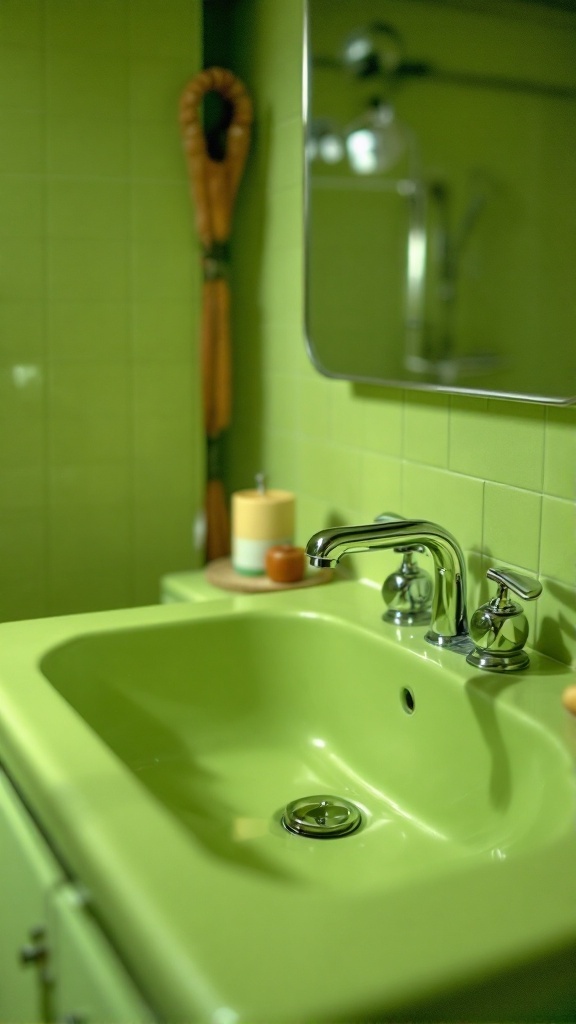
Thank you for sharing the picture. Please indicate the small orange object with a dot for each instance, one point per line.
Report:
(569, 699)
(285, 563)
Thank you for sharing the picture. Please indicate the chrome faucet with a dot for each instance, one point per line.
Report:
(449, 624)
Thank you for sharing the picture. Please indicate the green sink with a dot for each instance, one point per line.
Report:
(227, 719)
(160, 747)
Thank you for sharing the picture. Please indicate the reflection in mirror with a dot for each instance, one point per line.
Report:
(440, 194)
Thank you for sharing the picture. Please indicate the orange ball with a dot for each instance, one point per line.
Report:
(569, 699)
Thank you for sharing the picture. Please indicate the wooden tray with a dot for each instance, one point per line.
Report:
(221, 574)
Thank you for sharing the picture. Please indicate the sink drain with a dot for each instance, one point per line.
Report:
(321, 817)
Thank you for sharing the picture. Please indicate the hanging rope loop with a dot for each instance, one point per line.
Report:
(214, 184)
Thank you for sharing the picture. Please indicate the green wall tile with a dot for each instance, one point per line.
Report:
(345, 471)
(84, 485)
(21, 208)
(21, 78)
(280, 220)
(156, 151)
(383, 413)
(99, 28)
(283, 144)
(450, 499)
(89, 560)
(22, 149)
(22, 487)
(558, 542)
(381, 485)
(160, 210)
(156, 85)
(22, 25)
(80, 148)
(161, 272)
(156, 31)
(168, 329)
(89, 412)
(164, 420)
(426, 426)
(512, 525)
(280, 354)
(279, 406)
(498, 440)
(22, 330)
(560, 452)
(88, 269)
(314, 469)
(279, 461)
(86, 85)
(347, 425)
(95, 209)
(23, 555)
(89, 329)
(23, 269)
(314, 404)
(22, 415)
(555, 614)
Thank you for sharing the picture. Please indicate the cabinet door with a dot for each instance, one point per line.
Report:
(90, 983)
(28, 873)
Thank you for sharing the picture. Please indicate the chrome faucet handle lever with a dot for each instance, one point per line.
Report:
(499, 628)
(525, 587)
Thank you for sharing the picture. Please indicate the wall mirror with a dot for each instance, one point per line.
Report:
(440, 150)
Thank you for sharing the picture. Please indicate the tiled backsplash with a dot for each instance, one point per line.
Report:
(100, 459)
(500, 475)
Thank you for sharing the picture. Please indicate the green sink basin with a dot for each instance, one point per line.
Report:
(159, 747)
(227, 719)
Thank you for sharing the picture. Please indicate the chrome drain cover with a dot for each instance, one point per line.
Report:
(321, 817)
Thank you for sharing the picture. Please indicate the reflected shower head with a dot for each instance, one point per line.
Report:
(376, 141)
(373, 50)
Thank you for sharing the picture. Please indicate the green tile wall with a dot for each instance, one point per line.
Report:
(100, 457)
(500, 475)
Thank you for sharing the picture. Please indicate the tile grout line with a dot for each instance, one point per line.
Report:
(46, 348)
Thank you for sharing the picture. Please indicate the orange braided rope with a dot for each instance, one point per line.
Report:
(214, 185)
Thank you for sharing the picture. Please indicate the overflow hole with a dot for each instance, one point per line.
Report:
(408, 702)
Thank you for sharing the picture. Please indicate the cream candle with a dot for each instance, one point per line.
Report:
(261, 519)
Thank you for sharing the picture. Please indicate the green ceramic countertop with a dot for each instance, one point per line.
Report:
(215, 927)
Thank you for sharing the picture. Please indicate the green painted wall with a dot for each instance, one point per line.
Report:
(500, 475)
(100, 458)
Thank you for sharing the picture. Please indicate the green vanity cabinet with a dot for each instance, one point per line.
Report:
(55, 963)
(29, 873)
(91, 984)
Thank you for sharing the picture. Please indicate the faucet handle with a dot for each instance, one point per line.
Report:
(525, 587)
(407, 593)
(499, 628)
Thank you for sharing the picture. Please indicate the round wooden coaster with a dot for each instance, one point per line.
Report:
(221, 573)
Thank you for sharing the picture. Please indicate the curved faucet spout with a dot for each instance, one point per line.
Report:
(449, 627)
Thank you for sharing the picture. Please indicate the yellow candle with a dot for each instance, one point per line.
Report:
(260, 520)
